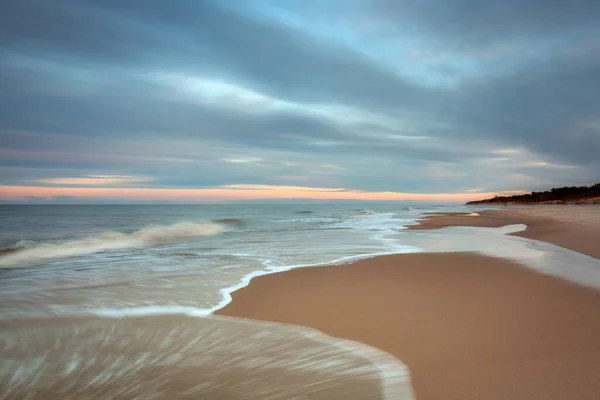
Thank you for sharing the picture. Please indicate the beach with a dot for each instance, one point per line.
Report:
(384, 303)
(466, 325)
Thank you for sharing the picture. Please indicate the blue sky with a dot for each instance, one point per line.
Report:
(379, 96)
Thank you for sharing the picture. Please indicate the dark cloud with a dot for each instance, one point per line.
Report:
(549, 108)
(472, 22)
(73, 29)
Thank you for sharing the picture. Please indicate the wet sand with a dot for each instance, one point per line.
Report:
(467, 326)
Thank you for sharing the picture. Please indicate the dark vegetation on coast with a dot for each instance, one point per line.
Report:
(563, 195)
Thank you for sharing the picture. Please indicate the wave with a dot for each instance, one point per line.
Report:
(366, 212)
(305, 212)
(154, 235)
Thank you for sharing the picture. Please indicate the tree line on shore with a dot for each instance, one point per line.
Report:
(562, 194)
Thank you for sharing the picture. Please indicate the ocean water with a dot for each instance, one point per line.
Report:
(66, 260)
(69, 275)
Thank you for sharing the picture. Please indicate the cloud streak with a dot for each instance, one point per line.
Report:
(93, 180)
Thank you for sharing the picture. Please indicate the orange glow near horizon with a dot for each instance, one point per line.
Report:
(225, 193)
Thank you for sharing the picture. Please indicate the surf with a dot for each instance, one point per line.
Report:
(154, 235)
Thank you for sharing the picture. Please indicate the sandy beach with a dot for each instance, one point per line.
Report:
(467, 326)
(447, 324)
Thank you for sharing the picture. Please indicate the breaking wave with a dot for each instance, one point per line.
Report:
(30, 251)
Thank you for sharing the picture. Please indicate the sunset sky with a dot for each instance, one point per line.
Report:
(199, 100)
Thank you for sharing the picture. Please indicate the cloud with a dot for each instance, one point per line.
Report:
(247, 160)
(93, 180)
(282, 188)
(379, 96)
(470, 22)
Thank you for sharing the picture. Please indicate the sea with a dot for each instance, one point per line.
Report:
(117, 301)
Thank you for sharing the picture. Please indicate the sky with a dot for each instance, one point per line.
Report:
(200, 100)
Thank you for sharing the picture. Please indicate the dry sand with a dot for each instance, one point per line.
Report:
(468, 326)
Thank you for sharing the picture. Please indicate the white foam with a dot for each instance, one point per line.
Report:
(497, 242)
(226, 292)
(147, 311)
(384, 224)
(28, 252)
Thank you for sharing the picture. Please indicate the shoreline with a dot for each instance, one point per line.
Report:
(332, 299)
(570, 227)
(430, 221)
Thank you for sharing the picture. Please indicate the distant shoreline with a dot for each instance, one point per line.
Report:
(586, 201)
(563, 195)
